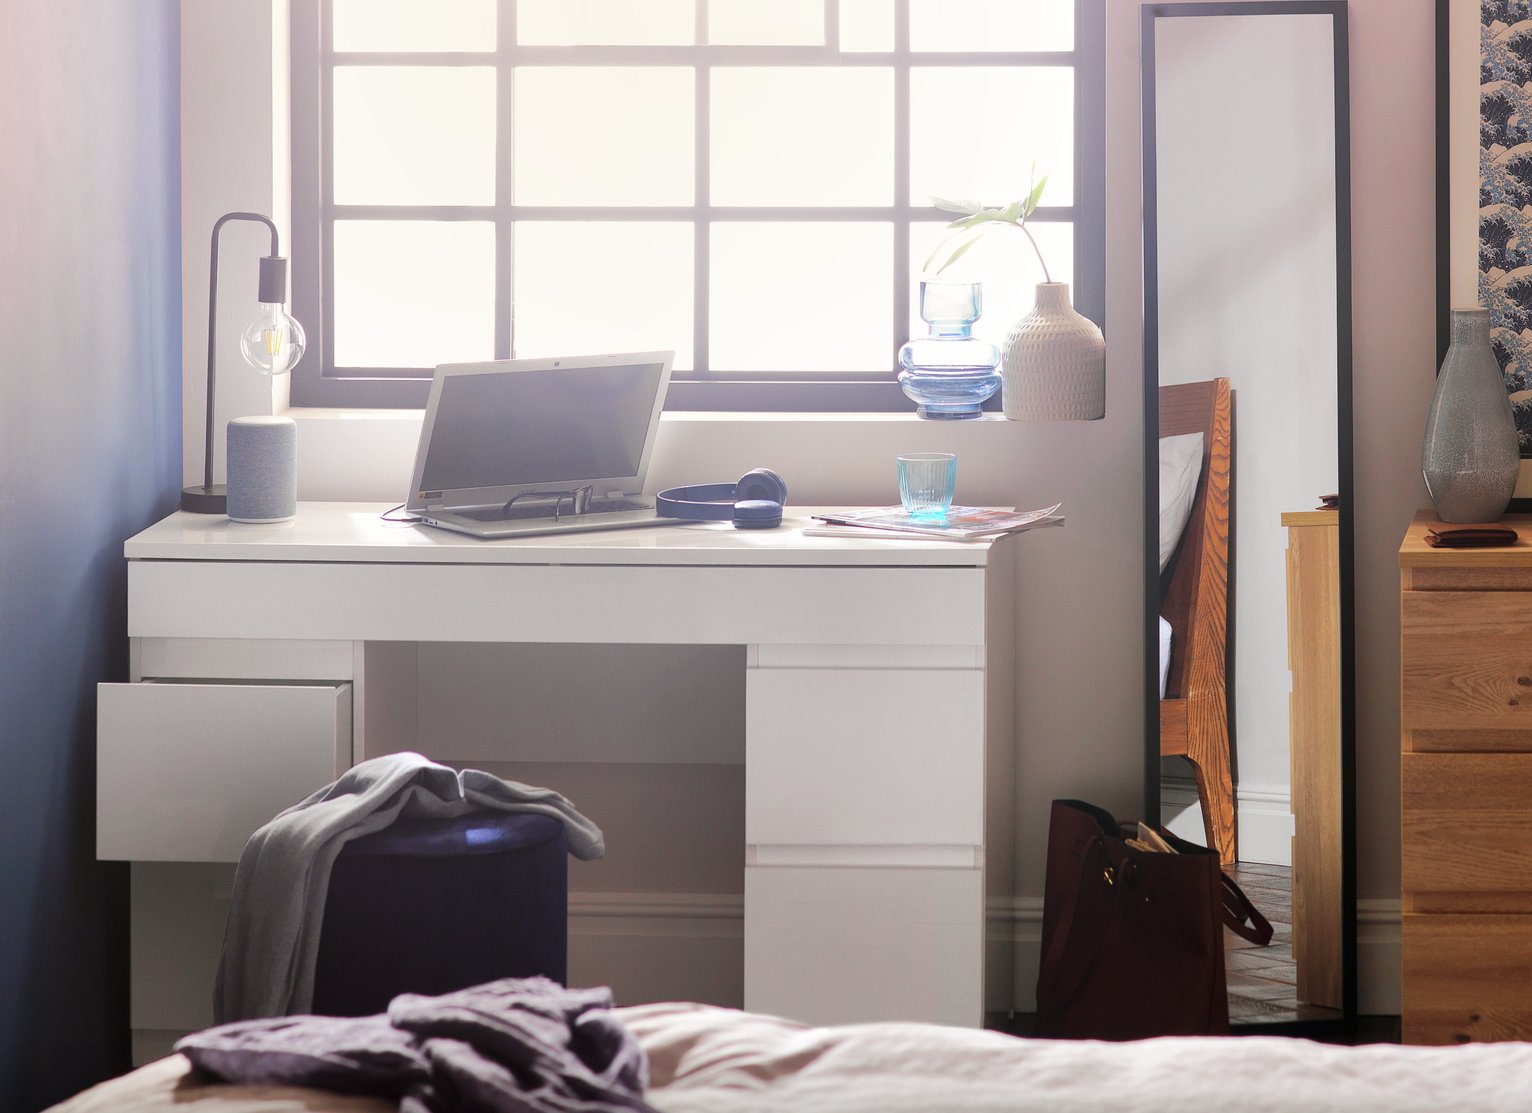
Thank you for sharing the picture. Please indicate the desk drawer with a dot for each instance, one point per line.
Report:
(1465, 821)
(186, 772)
(864, 756)
(1467, 978)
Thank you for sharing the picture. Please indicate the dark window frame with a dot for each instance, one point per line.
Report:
(317, 382)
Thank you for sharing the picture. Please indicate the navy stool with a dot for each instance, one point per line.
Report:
(435, 905)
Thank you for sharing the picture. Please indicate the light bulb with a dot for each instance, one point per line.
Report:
(273, 341)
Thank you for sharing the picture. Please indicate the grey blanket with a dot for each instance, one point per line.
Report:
(520, 1045)
(272, 939)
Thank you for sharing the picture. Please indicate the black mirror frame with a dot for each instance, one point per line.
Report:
(1338, 11)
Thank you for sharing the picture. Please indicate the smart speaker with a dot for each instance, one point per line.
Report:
(263, 469)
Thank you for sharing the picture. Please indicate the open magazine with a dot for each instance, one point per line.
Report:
(962, 523)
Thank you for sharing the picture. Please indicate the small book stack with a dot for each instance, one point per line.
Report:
(961, 523)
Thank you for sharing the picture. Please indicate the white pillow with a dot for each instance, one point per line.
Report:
(1165, 633)
(1180, 465)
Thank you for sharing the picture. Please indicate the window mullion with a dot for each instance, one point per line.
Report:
(702, 226)
(505, 228)
(904, 219)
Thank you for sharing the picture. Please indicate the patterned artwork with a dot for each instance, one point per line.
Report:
(1505, 195)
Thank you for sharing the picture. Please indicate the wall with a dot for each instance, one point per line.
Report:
(89, 454)
(1079, 706)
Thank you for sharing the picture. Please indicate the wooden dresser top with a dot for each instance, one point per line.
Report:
(1415, 553)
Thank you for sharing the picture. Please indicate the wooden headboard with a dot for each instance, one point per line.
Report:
(1194, 588)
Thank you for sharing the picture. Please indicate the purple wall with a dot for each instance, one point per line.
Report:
(89, 454)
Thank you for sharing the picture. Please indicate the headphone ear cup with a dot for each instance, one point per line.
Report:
(762, 485)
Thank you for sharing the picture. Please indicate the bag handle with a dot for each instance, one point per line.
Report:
(1240, 916)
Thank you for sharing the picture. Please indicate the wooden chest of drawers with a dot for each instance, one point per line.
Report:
(1465, 622)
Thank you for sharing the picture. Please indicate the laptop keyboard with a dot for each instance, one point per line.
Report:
(522, 510)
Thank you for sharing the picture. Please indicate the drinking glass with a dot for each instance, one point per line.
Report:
(926, 481)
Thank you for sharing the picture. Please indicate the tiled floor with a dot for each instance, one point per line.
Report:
(1263, 980)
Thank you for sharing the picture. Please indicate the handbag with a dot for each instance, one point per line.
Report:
(1132, 942)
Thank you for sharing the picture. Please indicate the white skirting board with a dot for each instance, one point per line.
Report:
(1265, 818)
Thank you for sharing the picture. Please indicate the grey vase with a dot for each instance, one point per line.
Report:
(1470, 456)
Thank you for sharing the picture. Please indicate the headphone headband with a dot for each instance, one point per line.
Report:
(755, 502)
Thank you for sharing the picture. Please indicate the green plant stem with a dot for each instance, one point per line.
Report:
(1046, 276)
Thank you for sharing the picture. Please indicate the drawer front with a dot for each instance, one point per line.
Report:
(1467, 978)
(1466, 660)
(1465, 819)
(840, 946)
(187, 772)
(864, 756)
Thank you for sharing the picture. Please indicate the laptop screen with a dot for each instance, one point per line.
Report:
(555, 426)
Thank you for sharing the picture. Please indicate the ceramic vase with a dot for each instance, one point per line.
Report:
(1054, 362)
(1470, 455)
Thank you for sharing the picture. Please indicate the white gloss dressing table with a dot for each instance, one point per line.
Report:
(878, 717)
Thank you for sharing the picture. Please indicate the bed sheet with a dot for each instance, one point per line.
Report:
(710, 1060)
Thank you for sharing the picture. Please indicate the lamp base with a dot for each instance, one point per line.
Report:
(205, 500)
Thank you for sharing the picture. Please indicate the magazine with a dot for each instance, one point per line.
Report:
(962, 523)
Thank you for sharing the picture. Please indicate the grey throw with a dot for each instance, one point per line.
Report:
(272, 939)
(519, 1045)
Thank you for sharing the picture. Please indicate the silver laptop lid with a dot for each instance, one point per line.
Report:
(496, 429)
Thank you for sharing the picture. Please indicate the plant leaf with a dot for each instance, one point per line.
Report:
(1013, 212)
(968, 208)
(981, 217)
(959, 253)
(946, 244)
(1035, 196)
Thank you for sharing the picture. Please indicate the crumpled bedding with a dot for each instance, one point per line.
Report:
(709, 1060)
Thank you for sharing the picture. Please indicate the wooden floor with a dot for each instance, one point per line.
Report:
(1263, 981)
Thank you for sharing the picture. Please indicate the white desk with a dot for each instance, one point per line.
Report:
(878, 718)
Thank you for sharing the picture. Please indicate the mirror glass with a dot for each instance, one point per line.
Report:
(1247, 349)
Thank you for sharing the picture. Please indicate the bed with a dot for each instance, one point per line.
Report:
(1194, 601)
(710, 1060)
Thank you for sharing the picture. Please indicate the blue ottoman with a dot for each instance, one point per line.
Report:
(434, 905)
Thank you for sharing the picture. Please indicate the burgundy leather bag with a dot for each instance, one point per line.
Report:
(1132, 941)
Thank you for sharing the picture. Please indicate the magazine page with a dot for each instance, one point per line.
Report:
(960, 521)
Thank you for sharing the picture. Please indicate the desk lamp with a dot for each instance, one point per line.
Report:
(272, 343)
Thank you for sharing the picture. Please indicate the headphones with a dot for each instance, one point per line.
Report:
(755, 502)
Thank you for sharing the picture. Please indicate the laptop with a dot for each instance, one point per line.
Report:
(524, 447)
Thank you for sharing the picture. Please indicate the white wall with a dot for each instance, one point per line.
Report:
(1079, 709)
(1246, 221)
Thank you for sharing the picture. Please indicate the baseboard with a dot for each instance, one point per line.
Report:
(659, 946)
(1264, 811)
(1377, 930)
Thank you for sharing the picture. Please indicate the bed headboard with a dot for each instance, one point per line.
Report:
(1194, 589)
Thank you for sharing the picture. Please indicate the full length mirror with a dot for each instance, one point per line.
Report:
(1248, 397)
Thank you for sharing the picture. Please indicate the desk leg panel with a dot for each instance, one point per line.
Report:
(843, 946)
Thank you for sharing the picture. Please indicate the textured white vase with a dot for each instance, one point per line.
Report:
(1054, 362)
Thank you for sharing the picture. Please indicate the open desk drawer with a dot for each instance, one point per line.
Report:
(186, 772)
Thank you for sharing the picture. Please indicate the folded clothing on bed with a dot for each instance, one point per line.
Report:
(521, 1045)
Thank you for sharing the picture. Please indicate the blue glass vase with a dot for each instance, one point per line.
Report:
(950, 373)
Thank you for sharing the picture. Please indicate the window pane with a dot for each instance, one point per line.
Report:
(866, 25)
(603, 287)
(413, 25)
(801, 297)
(1004, 262)
(976, 132)
(992, 25)
(605, 22)
(614, 135)
(802, 135)
(414, 135)
(413, 293)
(766, 22)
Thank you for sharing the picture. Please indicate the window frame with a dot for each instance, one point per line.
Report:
(317, 383)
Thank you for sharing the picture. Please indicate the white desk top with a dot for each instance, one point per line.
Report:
(352, 532)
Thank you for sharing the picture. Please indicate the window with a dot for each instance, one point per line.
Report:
(745, 181)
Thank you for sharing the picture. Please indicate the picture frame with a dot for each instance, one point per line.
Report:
(1477, 132)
